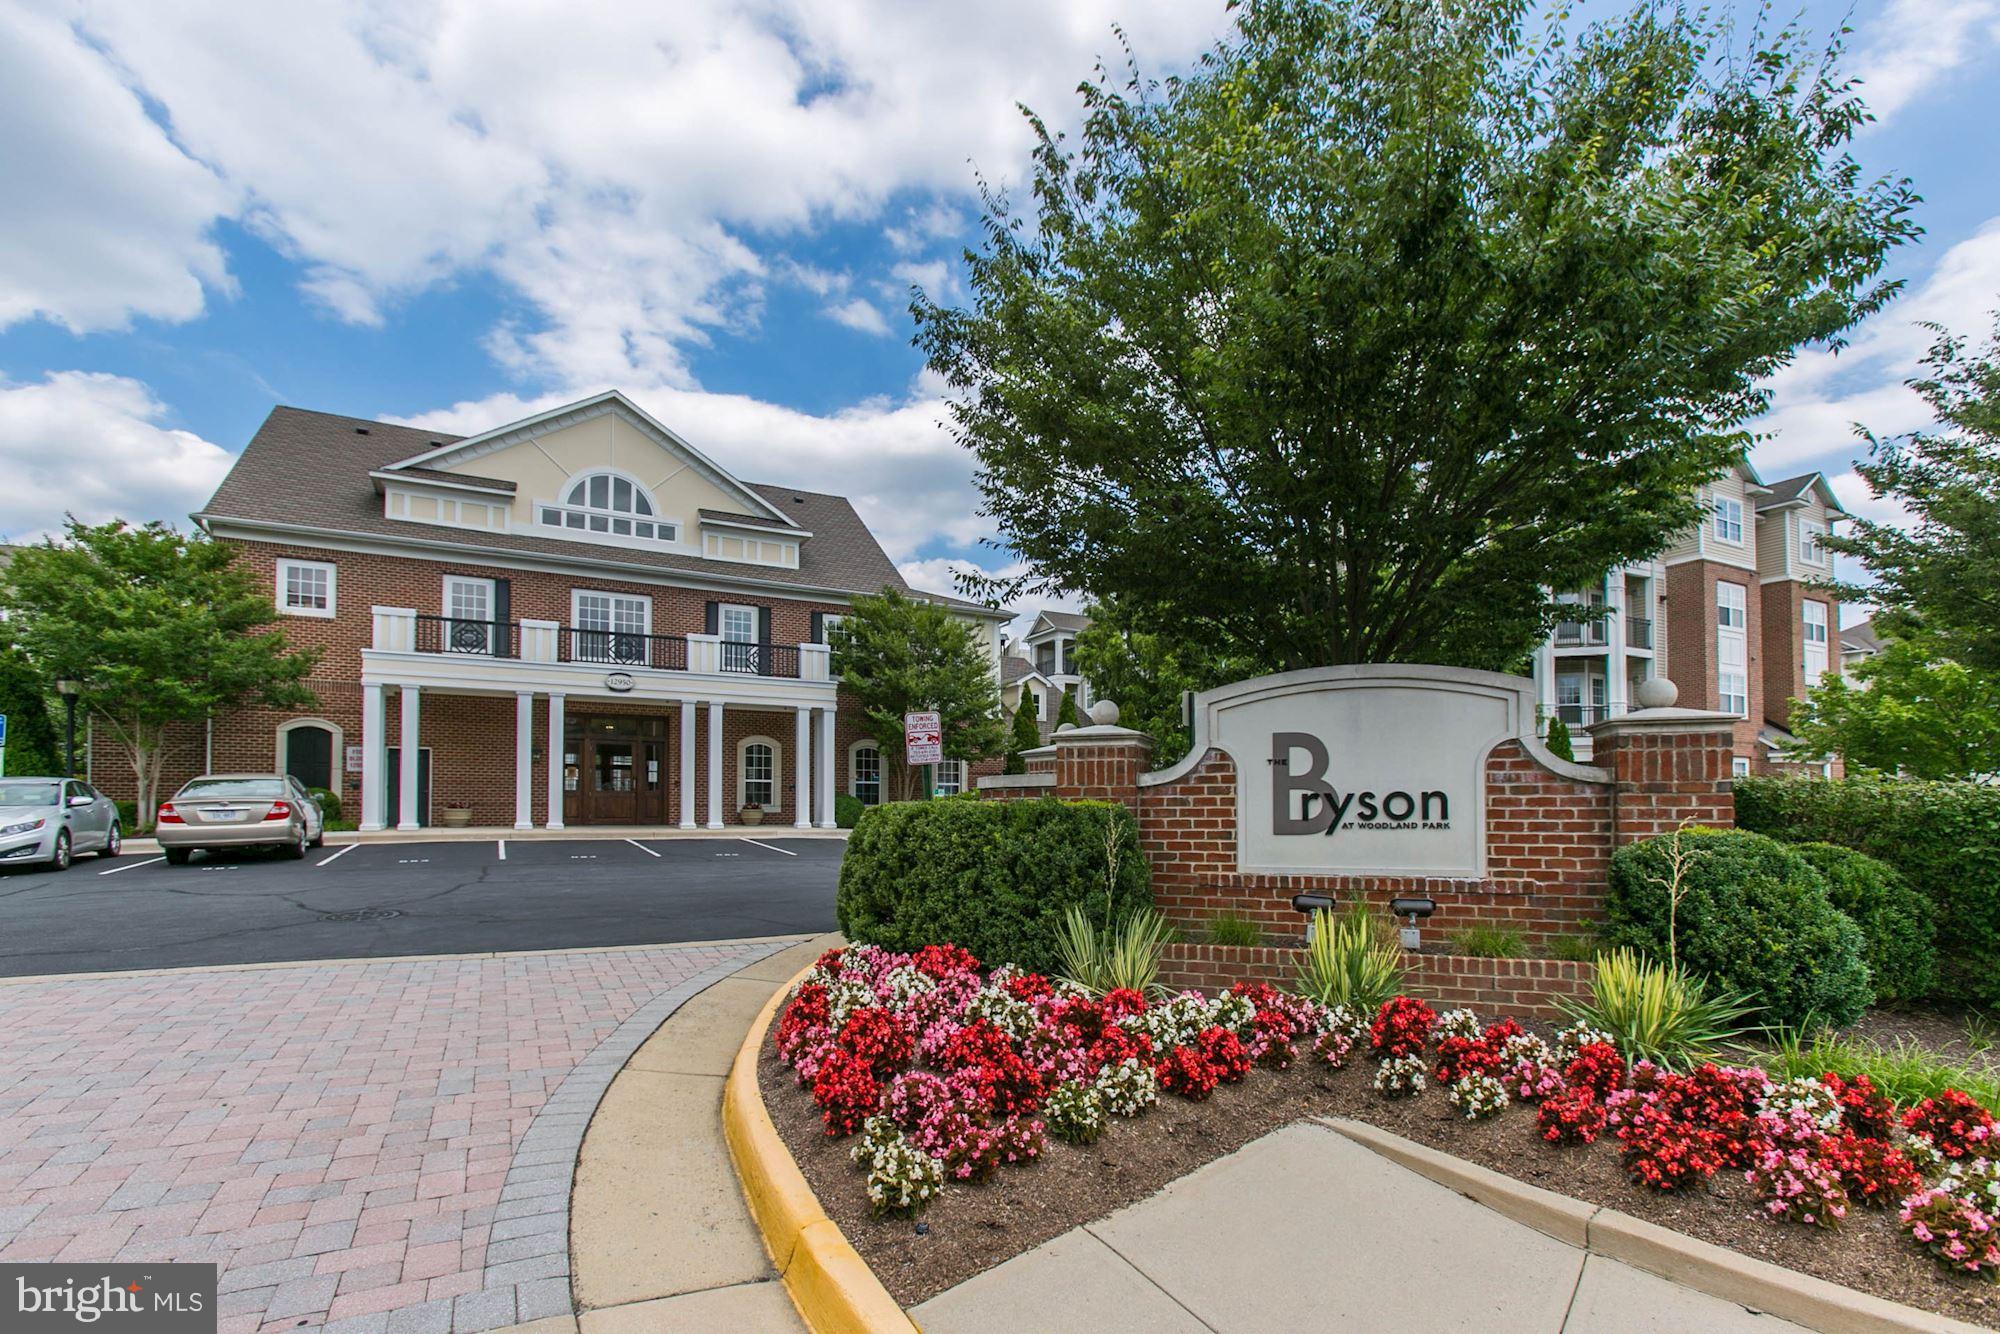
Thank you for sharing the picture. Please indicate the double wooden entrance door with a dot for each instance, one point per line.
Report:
(615, 772)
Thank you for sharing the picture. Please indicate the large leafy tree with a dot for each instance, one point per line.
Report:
(1941, 568)
(159, 627)
(1393, 314)
(1146, 674)
(898, 656)
(1912, 711)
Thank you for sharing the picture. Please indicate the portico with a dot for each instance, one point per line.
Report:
(634, 745)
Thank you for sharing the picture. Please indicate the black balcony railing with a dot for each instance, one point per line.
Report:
(1576, 634)
(1638, 632)
(1582, 715)
(624, 648)
(481, 639)
(760, 659)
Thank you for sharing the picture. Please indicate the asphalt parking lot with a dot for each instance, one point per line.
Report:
(372, 900)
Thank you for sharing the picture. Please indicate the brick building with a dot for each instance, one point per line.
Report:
(571, 619)
(1729, 612)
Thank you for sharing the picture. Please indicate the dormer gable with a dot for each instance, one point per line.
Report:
(600, 471)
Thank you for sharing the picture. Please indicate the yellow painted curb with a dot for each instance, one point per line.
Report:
(832, 1286)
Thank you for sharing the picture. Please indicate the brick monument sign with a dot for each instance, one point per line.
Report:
(1378, 782)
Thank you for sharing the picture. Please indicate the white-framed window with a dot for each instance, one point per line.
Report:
(1815, 642)
(306, 588)
(864, 773)
(737, 624)
(1812, 543)
(758, 760)
(469, 605)
(1739, 767)
(948, 778)
(1729, 519)
(609, 627)
(1732, 648)
(826, 623)
(608, 504)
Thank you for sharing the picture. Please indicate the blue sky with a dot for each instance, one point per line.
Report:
(456, 214)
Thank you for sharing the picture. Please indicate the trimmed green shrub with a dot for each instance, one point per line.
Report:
(1942, 838)
(1026, 734)
(1066, 711)
(1895, 919)
(993, 876)
(847, 810)
(1754, 916)
(1558, 741)
(329, 802)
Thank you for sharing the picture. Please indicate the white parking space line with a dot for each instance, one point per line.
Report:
(772, 846)
(129, 865)
(503, 849)
(642, 847)
(338, 855)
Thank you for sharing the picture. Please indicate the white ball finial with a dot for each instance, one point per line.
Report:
(1104, 713)
(1657, 692)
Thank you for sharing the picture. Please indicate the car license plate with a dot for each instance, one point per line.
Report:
(222, 815)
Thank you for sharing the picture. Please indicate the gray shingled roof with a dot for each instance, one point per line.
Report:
(310, 470)
(1861, 637)
(441, 475)
(1067, 620)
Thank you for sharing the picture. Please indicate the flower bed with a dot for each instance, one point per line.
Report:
(950, 1118)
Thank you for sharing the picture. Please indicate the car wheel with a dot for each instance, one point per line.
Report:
(114, 843)
(177, 856)
(296, 849)
(319, 839)
(59, 859)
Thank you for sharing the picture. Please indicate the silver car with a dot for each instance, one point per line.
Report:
(239, 811)
(49, 820)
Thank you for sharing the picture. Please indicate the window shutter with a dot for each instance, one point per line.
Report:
(819, 627)
(711, 623)
(764, 637)
(503, 616)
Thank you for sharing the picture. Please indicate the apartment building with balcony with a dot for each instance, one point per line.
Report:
(575, 618)
(1039, 667)
(1728, 612)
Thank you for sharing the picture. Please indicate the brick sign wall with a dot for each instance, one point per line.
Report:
(1547, 828)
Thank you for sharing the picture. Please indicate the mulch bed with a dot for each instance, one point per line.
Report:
(972, 1228)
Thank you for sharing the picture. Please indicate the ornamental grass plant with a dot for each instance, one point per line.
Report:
(1350, 961)
(1125, 956)
(1905, 1072)
(1656, 1012)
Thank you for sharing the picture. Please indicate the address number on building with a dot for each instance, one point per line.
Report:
(618, 682)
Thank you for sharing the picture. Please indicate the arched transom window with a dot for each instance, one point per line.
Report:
(614, 506)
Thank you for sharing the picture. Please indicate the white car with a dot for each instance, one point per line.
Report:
(47, 821)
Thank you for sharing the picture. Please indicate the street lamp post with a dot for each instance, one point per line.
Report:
(69, 690)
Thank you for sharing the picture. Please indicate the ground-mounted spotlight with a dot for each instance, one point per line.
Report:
(1412, 909)
(1308, 904)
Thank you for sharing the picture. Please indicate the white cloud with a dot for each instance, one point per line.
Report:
(1819, 399)
(860, 315)
(102, 217)
(94, 445)
(1913, 44)
(630, 171)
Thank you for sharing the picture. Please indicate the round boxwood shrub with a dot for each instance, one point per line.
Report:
(1894, 919)
(992, 876)
(1753, 915)
(846, 810)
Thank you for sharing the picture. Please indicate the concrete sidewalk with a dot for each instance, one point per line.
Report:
(1307, 1230)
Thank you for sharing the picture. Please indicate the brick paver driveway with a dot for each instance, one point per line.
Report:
(369, 1146)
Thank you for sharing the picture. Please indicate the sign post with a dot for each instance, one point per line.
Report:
(923, 741)
(3, 745)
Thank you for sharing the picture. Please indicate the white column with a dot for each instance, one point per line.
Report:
(688, 708)
(555, 762)
(374, 759)
(823, 786)
(715, 766)
(524, 759)
(1614, 658)
(410, 741)
(802, 768)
